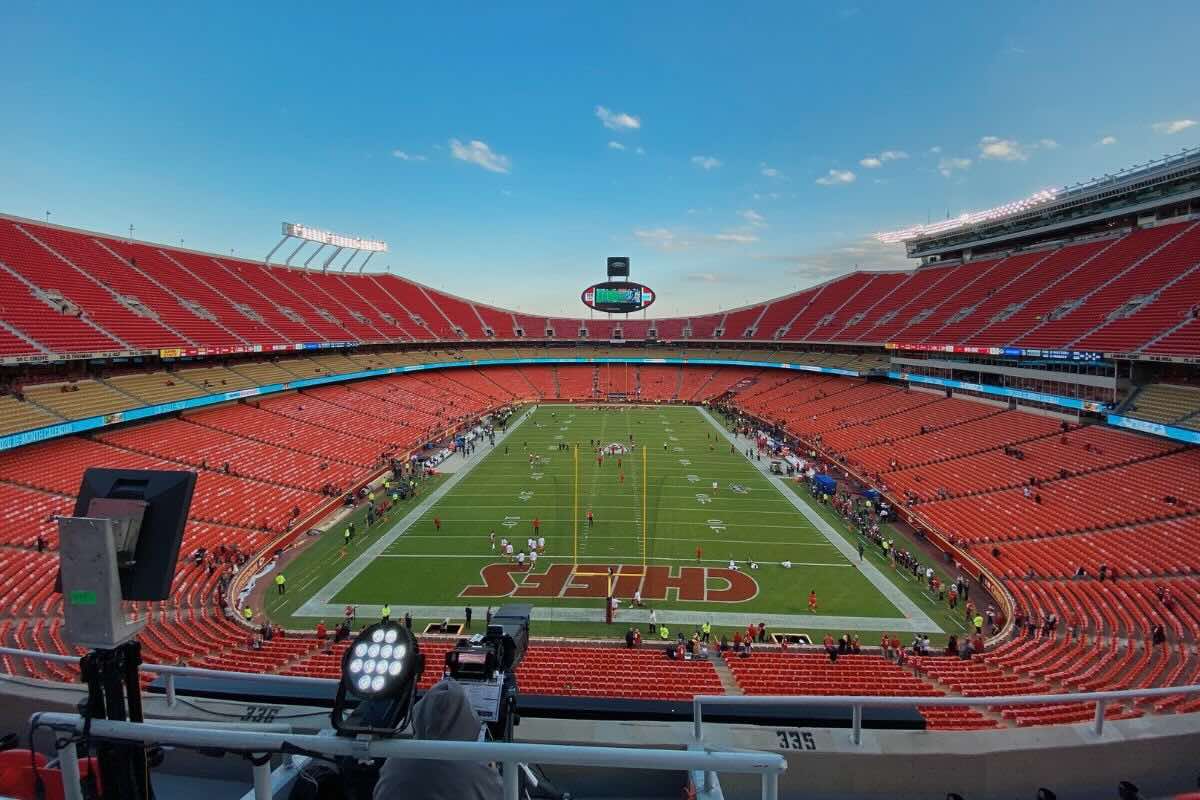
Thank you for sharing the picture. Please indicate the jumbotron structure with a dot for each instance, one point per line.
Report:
(1066, 328)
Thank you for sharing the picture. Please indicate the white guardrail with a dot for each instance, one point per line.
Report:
(767, 765)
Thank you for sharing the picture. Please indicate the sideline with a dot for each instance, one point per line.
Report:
(914, 613)
(319, 603)
(628, 616)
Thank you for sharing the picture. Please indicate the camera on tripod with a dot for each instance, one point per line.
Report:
(484, 665)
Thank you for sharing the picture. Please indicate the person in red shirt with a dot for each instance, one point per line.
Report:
(699, 553)
(812, 601)
(537, 524)
(622, 477)
(737, 641)
(830, 647)
(751, 631)
(437, 523)
(590, 520)
(321, 632)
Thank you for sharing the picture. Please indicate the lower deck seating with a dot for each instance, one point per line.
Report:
(22, 415)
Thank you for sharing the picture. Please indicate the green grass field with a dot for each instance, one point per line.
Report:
(437, 572)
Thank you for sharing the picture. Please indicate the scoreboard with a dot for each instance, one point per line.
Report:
(617, 297)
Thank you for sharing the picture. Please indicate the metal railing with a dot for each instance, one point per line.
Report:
(858, 703)
(855, 703)
(768, 766)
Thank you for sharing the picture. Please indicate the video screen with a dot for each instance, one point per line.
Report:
(630, 296)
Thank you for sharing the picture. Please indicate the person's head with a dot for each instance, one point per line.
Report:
(1128, 791)
(445, 713)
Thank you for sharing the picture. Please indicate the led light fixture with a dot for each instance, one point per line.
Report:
(381, 669)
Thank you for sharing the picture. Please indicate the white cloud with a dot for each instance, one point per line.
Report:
(617, 121)
(1174, 126)
(736, 237)
(753, 218)
(641, 151)
(770, 172)
(1108, 140)
(1002, 149)
(837, 176)
(866, 254)
(706, 163)
(874, 162)
(615, 146)
(704, 277)
(403, 156)
(479, 153)
(659, 238)
(1048, 144)
(937, 148)
(949, 164)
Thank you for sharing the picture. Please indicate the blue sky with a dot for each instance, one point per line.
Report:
(734, 151)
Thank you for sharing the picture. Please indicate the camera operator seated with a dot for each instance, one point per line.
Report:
(443, 713)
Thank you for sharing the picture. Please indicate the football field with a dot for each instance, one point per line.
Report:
(674, 499)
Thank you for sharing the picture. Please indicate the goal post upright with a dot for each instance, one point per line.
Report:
(575, 511)
(645, 518)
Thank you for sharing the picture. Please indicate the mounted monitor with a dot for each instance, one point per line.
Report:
(617, 297)
(148, 509)
(618, 267)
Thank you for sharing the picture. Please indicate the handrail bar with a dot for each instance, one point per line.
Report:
(858, 702)
(767, 765)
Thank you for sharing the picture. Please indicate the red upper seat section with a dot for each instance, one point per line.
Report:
(74, 292)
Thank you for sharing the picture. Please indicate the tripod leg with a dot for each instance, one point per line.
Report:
(124, 772)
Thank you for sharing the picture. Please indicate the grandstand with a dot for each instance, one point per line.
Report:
(1025, 400)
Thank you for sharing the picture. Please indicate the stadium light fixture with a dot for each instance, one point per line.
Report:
(970, 218)
(380, 669)
(338, 241)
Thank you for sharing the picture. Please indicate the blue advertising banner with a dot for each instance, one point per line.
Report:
(1156, 428)
(1003, 391)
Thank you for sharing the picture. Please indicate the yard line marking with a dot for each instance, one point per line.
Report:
(697, 510)
(480, 537)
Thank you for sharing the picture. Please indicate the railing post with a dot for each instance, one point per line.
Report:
(770, 786)
(1098, 725)
(68, 763)
(262, 777)
(696, 719)
(170, 689)
(856, 723)
(511, 782)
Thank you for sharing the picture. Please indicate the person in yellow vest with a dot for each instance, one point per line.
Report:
(386, 613)
(706, 631)
(248, 613)
(371, 497)
(978, 623)
(280, 584)
(663, 632)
